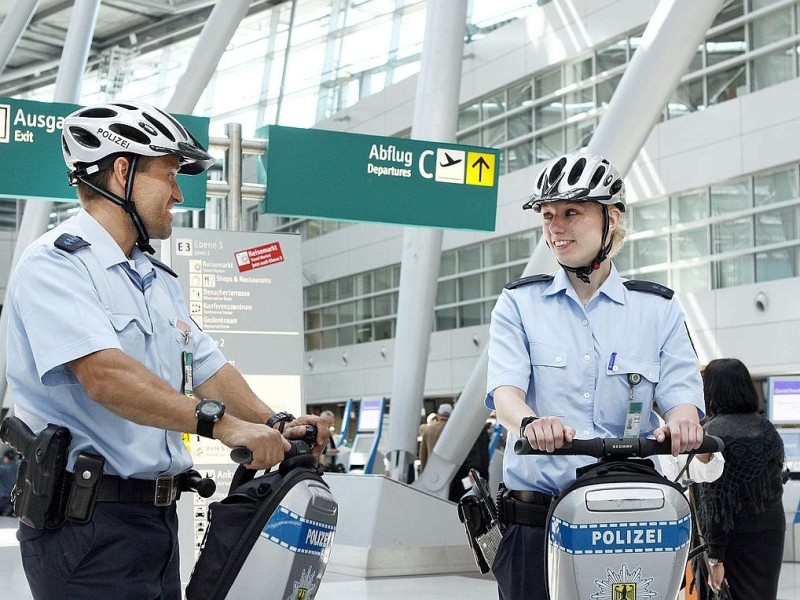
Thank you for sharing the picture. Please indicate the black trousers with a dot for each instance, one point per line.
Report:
(519, 566)
(126, 552)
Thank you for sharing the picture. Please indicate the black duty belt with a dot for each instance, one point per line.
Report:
(532, 497)
(526, 508)
(161, 491)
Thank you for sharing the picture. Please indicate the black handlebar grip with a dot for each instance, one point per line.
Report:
(592, 447)
(242, 455)
(204, 486)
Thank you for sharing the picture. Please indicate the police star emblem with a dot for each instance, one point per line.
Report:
(302, 588)
(624, 585)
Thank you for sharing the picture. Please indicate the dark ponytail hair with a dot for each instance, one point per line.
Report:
(728, 387)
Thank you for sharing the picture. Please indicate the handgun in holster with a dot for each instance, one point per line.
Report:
(478, 512)
(40, 491)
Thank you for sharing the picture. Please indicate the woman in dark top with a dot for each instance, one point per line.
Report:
(741, 513)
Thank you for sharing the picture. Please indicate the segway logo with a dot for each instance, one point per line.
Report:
(5, 123)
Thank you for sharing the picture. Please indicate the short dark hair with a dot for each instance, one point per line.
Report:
(728, 387)
(101, 178)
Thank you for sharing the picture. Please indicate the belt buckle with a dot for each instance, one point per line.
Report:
(165, 490)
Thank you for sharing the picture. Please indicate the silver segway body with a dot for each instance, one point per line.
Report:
(622, 531)
(271, 537)
(295, 542)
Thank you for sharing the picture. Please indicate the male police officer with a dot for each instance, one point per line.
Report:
(103, 344)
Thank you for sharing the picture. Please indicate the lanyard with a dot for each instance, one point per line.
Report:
(633, 420)
(187, 358)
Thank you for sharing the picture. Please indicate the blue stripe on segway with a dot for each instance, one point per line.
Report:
(298, 534)
(617, 538)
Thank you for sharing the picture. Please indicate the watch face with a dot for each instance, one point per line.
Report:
(209, 410)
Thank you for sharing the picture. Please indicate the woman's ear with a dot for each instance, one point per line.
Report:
(614, 217)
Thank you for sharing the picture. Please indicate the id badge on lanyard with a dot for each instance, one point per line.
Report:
(187, 358)
(633, 420)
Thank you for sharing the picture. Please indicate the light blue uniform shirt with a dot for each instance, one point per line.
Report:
(544, 342)
(63, 306)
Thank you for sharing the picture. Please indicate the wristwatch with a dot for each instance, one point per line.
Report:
(714, 561)
(282, 418)
(524, 423)
(208, 412)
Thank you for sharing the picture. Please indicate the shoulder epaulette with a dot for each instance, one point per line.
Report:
(70, 243)
(526, 280)
(649, 286)
(161, 265)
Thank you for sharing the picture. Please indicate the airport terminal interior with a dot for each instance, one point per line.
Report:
(382, 316)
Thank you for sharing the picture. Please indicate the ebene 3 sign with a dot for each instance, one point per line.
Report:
(32, 164)
(355, 177)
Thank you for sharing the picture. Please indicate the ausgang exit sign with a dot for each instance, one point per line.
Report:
(349, 176)
(31, 162)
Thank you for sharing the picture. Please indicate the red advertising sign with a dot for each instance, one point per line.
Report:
(262, 256)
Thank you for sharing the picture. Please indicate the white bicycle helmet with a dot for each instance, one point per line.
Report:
(579, 177)
(92, 134)
(94, 137)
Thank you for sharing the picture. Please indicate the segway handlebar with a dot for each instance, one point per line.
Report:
(300, 446)
(616, 448)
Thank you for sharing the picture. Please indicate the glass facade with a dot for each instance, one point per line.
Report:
(363, 307)
(736, 232)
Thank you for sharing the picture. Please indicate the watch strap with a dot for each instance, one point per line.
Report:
(524, 423)
(205, 428)
(281, 418)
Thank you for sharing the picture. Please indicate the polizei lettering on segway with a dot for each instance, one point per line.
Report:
(614, 538)
(297, 533)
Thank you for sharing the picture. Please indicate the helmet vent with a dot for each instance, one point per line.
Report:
(597, 177)
(160, 126)
(616, 187)
(130, 133)
(555, 172)
(540, 182)
(84, 138)
(125, 106)
(576, 171)
(177, 125)
(97, 113)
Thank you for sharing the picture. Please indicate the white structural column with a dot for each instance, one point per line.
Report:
(14, 25)
(435, 118)
(68, 89)
(669, 42)
(210, 46)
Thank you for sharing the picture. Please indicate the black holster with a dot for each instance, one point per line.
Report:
(40, 493)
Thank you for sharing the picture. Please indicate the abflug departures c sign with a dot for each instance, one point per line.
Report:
(31, 162)
(348, 176)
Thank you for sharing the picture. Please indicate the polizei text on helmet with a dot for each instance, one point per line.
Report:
(113, 137)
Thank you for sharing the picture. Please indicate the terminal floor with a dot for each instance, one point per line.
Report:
(465, 586)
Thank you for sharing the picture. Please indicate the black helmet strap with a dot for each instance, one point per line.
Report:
(583, 272)
(143, 239)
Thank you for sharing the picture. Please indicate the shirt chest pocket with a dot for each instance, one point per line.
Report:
(547, 355)
(623, 367)
(132, 334)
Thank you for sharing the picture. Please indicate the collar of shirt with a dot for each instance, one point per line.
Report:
(612, 287)
(107, 250)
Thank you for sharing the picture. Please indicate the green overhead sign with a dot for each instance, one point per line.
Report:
(354, 177)
(32, 165)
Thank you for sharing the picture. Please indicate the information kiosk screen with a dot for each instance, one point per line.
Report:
(783, 402)
(370, 414)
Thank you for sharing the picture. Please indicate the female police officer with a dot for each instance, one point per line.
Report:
(104, 345)
(581, 353)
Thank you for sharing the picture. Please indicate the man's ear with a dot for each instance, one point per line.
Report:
(121, 166)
